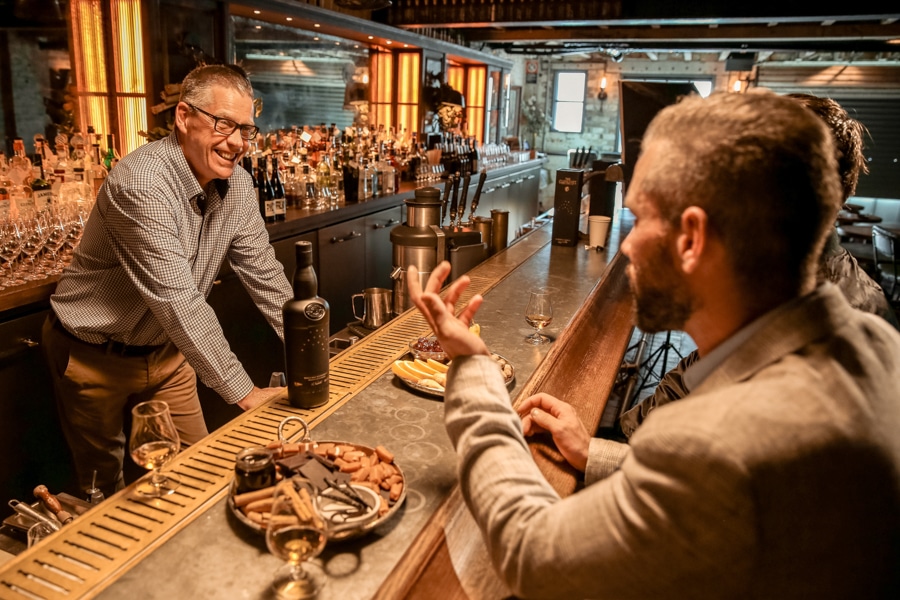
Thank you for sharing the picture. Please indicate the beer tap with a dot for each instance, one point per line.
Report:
(445, 200)
(464, 196)
(481, 177)
(454, 198)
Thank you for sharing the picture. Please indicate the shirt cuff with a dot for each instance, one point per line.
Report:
(235, 391)
(604, 458)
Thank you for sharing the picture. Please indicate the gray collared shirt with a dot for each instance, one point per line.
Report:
(149, 257)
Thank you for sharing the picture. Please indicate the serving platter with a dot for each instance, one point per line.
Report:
(509, 377)
(340, 529)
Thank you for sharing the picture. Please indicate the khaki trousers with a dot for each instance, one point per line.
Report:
(95, 389)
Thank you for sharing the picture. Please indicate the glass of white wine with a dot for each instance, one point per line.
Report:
(154, 442)
(539, 314)
(296, 532)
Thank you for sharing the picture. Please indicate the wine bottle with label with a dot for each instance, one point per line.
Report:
(278, 191)
(306, 322)
(263, 185)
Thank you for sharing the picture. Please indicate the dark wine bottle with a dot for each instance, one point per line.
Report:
(278, 192)
(266, 201)
(306, 321)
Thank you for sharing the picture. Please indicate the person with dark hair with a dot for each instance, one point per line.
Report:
(837, 265)
(779, 475)
(129, 319)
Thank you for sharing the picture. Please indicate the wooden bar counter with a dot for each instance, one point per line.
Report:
(193, 547)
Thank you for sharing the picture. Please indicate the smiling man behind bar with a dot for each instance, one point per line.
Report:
(130, 321)
(779, 475)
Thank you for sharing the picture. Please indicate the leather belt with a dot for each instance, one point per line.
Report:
(107, 347)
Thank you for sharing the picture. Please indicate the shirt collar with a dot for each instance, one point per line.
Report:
(700, 370)
(188, 180)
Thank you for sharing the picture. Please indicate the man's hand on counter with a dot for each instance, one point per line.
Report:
(257, 396)
(543, 413)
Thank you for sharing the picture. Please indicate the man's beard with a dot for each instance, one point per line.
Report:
(661, 298)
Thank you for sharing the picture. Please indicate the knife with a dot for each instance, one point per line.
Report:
(464, 196)
(481, 177)
(446, 198)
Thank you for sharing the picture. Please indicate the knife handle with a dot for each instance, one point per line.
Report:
(52, 503)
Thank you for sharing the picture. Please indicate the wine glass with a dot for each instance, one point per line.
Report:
(56, 239)
(32, 244)
(295, 533)
(154, 442)
(11, 238)
(539, 314)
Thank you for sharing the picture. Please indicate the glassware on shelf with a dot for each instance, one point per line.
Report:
(33, 240)
(11, 238)
(154, 442)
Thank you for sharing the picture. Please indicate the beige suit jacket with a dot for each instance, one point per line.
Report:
(779, 477)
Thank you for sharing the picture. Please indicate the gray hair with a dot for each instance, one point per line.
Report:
(197, 86)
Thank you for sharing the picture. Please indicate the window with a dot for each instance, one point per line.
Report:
(569, 89)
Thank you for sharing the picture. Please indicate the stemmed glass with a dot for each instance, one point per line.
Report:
(75, 218)
(56, 238)
(11, 238)
(32, 244)
(296, 532)
(539, 314)
(154, 442)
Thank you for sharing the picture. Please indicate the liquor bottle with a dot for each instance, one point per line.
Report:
(41, 189)
(306, 322)
(6, 208)
(21, 196)
(350, 173)
(278, 191)
(111, 157)
(98, 171)
(307, 187)
(78, 151)
(266, 202)
(323, 180)
(19, 164)
(61, 170)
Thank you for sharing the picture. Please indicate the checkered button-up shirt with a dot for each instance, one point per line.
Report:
(149, 257)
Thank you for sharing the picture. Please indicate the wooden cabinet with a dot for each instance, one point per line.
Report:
(379, 258)
(342, 268)
(31, 441)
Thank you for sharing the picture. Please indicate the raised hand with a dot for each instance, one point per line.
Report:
(451, 329)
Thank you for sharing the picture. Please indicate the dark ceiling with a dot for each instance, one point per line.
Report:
(568, 26)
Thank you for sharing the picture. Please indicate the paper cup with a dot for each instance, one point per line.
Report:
(598, 229)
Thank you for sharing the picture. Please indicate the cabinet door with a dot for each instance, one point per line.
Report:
(379, 251)
(342, 268)
(31, 440)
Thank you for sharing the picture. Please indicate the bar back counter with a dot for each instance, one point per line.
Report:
(190, 545)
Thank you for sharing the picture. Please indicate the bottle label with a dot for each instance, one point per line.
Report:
(314, 311)
(280, 206)
(43, 199)
(270, 208)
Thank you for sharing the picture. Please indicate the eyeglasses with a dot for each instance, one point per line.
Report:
(227, 126)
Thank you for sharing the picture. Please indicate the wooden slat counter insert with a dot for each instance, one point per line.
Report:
(581, 369)
(97, 548)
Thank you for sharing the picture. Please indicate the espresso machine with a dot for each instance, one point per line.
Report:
(423, 242)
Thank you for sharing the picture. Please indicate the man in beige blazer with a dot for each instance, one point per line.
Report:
(779, 475)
